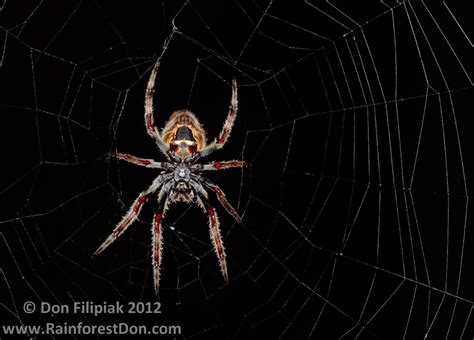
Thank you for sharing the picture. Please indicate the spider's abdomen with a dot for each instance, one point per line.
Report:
(184, 133)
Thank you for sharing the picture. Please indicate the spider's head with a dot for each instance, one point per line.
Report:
(183, 144)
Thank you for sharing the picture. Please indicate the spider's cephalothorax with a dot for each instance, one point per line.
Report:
(183, 143)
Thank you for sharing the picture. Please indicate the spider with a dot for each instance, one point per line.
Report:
(183, 143)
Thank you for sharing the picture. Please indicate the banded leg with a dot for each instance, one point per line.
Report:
(216, 238)
(149, 121)
(223, 200)
(131, 215)
(223, 165)
(228, 124)
(149, 163)
(157, 246)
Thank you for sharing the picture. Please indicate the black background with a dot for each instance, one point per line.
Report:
(327, 119)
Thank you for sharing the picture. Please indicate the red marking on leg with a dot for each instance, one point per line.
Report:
(222, 137)
(157, 220)
(212, 215)
(124, 224)
(138, 205)
(137, 160)
(157, 226)
(229, 164)
(217, 240)
(132, 159)
(157, 244)
(149, 122)
(221, 197)
(238, 163)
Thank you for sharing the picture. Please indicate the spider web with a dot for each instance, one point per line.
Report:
(354, 119)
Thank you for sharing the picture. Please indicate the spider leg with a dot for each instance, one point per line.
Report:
(223, 200)
(228, 124)
(216, 238)
(222, 165)
(149, 121)
(149, 163)
(157, 244)
(131, 215)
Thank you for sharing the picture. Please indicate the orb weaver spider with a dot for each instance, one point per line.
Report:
(183, 142)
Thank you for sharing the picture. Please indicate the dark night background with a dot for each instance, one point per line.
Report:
(354, 117)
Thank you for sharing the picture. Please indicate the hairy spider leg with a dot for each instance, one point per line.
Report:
(149, 121)
(131, 215)
(216, 238)
(228, 124)
(148, 163)
(222, 165)
(223, 200)
(157, 244)
(217, 190)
